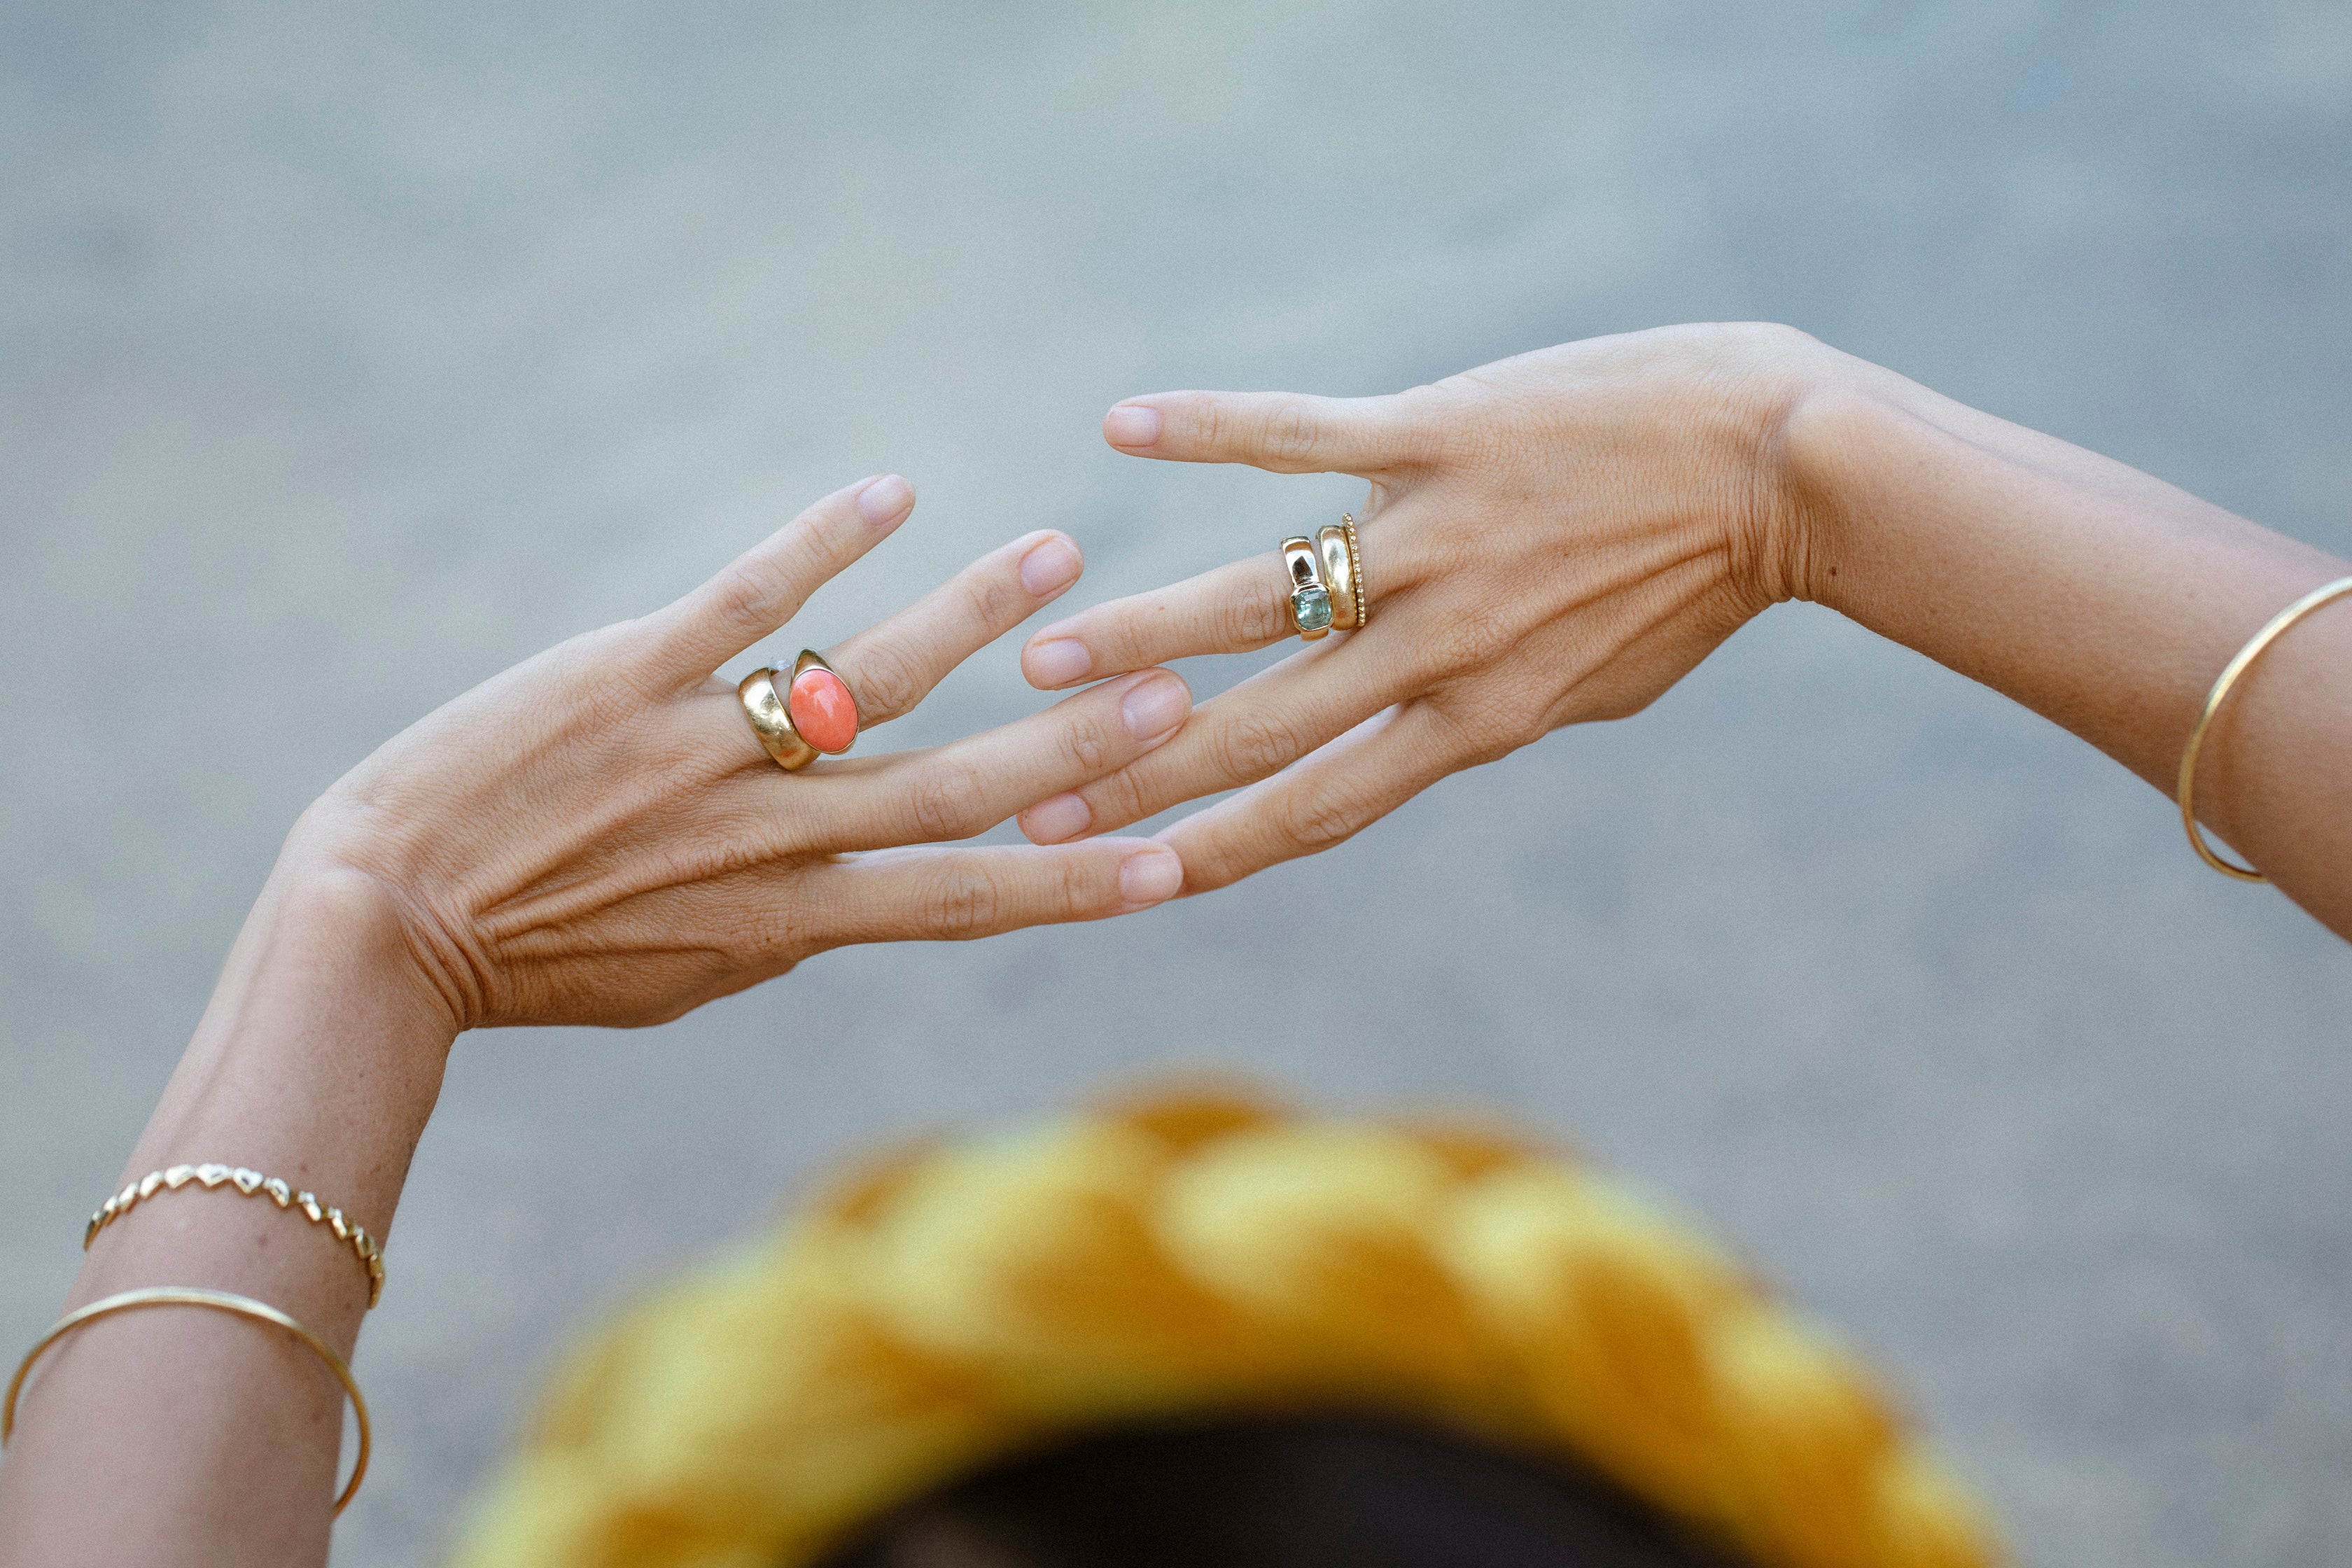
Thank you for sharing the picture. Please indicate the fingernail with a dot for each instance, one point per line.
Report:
(1051, 821)
(1150, 877)
(886, 499)
(1155, 707)
(1057, 663)
(1053, 566)
(1131, 424)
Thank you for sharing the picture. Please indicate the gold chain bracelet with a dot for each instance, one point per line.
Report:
(2271, 632)
(250, 1182)
(219, 1301)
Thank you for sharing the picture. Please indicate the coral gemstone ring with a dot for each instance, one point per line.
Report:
(810, 714)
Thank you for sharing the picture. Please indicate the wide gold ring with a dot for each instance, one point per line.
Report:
(813, 715)
(1310, 598)
(1343, 572)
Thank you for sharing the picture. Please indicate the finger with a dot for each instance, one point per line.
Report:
(1251, 732)
(1286, 432)
(1326, 799)
(893, 666)
(766, 585)
(952, 895)
(1234, 609)
(968, 786)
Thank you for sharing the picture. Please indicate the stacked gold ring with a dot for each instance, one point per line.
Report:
(813, 714)
(1326, 576)
(1343, 572)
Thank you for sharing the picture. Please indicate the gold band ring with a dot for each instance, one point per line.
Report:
(219, 1301)
(1310, 600)
(1343, 572)
(811, 715)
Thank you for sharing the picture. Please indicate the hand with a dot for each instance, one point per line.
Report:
(595, 836)
(1550, 539)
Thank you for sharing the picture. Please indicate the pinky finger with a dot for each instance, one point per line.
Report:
(953, 895)
(1325, 798)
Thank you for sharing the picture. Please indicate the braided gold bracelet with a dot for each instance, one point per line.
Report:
(249, 1182)
(2271, 632)
(219, 1301)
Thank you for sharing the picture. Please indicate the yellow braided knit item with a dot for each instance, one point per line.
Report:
(963, 1300)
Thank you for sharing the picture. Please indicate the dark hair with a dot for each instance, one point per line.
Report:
(1299, 1491)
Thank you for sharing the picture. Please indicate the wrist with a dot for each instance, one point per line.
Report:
(1803, 400)
(321, 1052)
(1853, 430)
(323, 927)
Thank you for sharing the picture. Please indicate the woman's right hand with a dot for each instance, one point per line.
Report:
(1550, 539)
(596, 835)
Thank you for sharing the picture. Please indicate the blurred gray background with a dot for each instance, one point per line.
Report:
(349, 354)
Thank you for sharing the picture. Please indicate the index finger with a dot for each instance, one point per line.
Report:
(1284, 432)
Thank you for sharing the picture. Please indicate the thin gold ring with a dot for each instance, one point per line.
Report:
(2272, 631)
(219, 1301)
(823, 703)
(1343, 572)
(1312, 607)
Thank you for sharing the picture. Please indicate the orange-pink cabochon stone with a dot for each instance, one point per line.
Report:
(823, 711)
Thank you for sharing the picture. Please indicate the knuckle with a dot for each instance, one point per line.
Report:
(1215, 863)
(1085, 747)
(994, 600)
(1252, 619)
(1496, 731)
(947, 802)
(1293, 433)
(744, 594)
(890, 680)
(1071, 889)
(1321, 819)
(1470, 642)
(962, 903)
(1117, 800)
(1254, 745)
(1213, 426)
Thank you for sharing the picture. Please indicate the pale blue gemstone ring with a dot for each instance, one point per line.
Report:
(1310, 596)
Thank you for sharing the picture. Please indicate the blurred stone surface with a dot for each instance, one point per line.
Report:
(349, 354)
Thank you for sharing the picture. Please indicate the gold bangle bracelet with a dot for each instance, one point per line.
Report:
(2237, 667)
(251, 1183)
(219, 1301)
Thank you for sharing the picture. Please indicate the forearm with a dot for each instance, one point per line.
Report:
(2099, 596)
(189, 1435)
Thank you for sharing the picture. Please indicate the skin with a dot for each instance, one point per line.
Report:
(593, 836)
(1558, 537)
